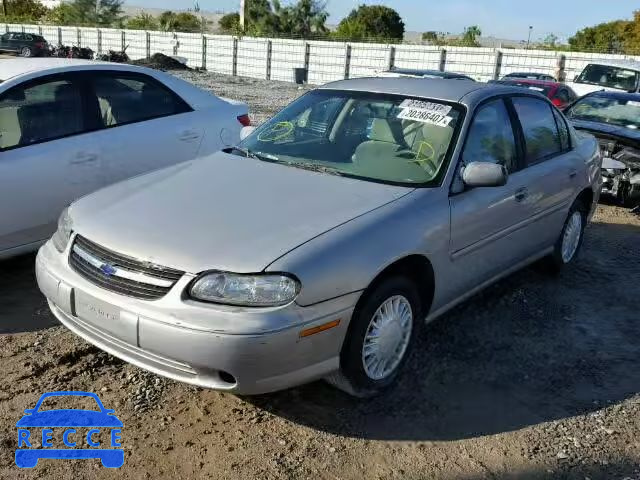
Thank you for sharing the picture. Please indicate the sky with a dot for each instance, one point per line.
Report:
(508, 19)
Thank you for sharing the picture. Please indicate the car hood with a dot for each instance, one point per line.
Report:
(597, 128)
(69, 418)
(223, 212)
(585, 88)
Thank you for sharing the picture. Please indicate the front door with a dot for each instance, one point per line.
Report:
(487, 224)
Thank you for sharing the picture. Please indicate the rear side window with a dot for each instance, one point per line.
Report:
(40, 112)
(129, 98)
(490, 137)
(541, 136)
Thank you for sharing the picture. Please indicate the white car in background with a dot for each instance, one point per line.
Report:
(609, 75)
(70, 127)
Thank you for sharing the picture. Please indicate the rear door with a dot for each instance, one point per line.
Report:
(144, 125)
(488, 233)
(47, 158)
(551, 169)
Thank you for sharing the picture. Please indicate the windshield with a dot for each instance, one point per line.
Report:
(377, 137)
(615, 111)
(610, 77)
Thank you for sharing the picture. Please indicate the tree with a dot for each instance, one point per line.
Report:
(550, 40)
(371, 21)
(23, 10)
(103, 13)
(470, 36)
(142, 21)
(179, 22)
(305, 19)
(230, 22)
(609, 37)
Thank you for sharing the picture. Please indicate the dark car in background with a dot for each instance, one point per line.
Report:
(24, 44)
(423, 73)
(530, 75)
(559, 94)
(614, 119)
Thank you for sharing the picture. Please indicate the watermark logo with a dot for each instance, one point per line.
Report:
(69, 433)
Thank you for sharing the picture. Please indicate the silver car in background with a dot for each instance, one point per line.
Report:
(318, 247)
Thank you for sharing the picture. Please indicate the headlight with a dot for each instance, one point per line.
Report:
(62, 235)
(257, 290)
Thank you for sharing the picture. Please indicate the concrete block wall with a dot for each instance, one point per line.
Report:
(276, 59)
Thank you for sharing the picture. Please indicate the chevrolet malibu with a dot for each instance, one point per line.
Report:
(320, 245)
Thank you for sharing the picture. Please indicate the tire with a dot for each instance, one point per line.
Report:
(395, 300)
(26, 52)
(567, 247)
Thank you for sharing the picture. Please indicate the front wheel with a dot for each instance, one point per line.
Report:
(26, 52)
(570, 240)
(380, 338)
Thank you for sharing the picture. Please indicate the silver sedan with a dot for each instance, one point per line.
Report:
(320, 245)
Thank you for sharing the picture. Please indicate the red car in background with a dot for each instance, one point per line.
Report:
(559, 94)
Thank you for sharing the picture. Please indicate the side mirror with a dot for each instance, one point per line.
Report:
(484, 174)
(246, 131)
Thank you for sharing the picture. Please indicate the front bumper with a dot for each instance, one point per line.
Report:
(240, 350)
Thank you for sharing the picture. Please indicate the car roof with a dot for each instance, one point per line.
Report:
(427, 72)
(616, 95)
(466, 92)
(530, 81)
(530, 74)
(13, 67)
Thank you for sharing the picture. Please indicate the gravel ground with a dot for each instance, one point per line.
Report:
(538, 377)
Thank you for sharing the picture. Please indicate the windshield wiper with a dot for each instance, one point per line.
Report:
(245, 151)
(314, 167)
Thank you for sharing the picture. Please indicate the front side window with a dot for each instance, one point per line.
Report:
(370, 136)
(611, 77)
(490, 137)
(126, 98)
(40, 112)
(541, 136)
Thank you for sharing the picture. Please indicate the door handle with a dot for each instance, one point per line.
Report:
(189, 135)
(82, 158)
(573, 173)
(521, 194)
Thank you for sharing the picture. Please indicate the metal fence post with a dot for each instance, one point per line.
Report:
(234, 67)
(443, 59)
(307, 56)
(59, 36)
(204, 52)
(391, 58)
(123, 38)
(79, 37)
(269, 52)
(39, 30)
(148, 44)
(347, 61)
(22, 28)
(99, 41)
(498, 65)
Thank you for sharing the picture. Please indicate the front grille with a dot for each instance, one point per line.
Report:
(109, 270)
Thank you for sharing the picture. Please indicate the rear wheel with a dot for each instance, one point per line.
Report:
(26, 52)
(380, 338)
(568, 244)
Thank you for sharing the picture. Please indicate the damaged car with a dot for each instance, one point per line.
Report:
(614, 119)
(321, 244)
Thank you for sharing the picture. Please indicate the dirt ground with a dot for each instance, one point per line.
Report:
(538, 377)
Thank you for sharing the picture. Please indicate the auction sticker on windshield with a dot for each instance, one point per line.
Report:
(426, 106)
(425, 112)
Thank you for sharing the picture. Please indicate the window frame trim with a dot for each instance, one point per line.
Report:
(141, 77)
(75, 78)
